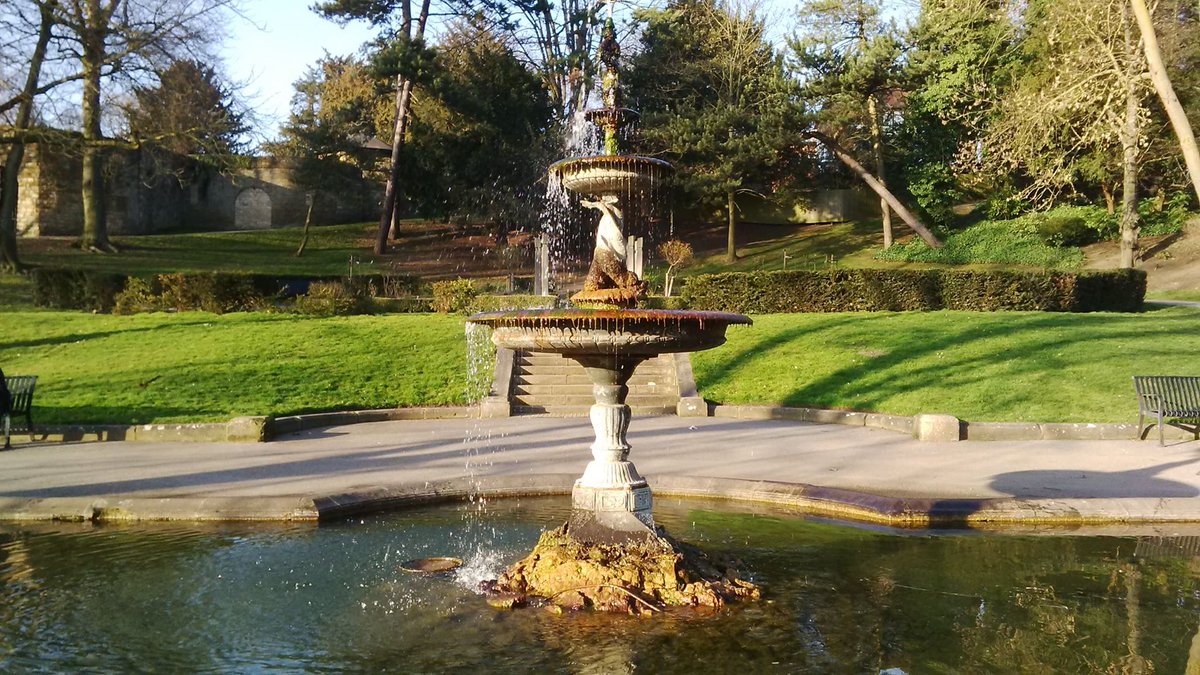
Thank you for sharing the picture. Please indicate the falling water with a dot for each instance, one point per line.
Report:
(481, 354)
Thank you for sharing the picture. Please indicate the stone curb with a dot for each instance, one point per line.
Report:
(262, 429)
(259, 429)
(816, 415)
(968, 431)
(295, 423)
(809, 499)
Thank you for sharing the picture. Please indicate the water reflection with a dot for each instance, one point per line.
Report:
(838, 599)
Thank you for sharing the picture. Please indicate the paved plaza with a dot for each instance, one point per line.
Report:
(860, 472)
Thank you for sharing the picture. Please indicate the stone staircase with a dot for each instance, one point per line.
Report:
(550, 384)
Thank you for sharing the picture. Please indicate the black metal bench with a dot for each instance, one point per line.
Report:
(19, 403)
(1173, 400)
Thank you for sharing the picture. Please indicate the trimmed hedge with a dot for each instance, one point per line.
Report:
(76, 289)
(497, 303)
(866, 290)
(218, 292)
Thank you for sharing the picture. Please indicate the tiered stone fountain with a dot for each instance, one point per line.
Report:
(610, 555)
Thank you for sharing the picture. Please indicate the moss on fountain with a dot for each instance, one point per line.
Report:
(637, 576)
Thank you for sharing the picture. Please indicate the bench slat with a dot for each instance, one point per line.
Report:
(19, 418)
(1169, 397)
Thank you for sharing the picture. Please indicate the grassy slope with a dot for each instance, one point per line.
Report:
(429, 250)
(267, 251)
(195, 366)
(1005, 366)
(983, 367)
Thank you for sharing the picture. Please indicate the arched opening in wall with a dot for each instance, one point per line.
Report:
(252, 209)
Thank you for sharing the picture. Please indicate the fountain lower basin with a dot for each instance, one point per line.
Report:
(627, 332)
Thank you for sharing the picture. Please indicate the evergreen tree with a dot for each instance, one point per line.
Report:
(847, 59)
(960, 56)
(189, 113)
(480, 132)
(715, 101)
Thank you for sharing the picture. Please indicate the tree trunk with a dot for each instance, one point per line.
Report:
(1166, 93)
(95, 220)
(9, 191)
(1130, 223)
(730, 246)
(388, 219)
(1110, 200)
(312, 201)
(905, 215)
(877, 148)
(403, 97)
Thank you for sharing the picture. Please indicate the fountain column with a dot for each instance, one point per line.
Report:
(611, 493)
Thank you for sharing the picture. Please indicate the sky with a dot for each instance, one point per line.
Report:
(273, 45)
(269, 49)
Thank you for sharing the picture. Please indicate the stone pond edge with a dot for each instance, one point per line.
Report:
(902, 512)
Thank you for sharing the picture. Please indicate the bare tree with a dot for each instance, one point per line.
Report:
(126, 38)
(1086, 100)
(9, 258)
(556, 40)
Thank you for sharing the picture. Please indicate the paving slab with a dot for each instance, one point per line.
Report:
(854, 471)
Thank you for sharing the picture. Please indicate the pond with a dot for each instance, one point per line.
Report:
(837, 598)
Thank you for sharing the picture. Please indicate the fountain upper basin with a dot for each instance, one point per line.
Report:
(635, 332)
(609, 174)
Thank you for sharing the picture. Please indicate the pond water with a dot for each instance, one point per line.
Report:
(838, 599)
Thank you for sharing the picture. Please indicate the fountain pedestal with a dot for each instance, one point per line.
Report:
(611, 501)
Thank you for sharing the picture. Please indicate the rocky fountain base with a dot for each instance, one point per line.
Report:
(635, 576)
(610, 555)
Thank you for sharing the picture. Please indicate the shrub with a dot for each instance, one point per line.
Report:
(403, 305)
(1010, 242)
(1064, 230)
(212, 292)
(496, 303)
(935, 190)
(1073, 225)
(76, 289)
(453, 296)
(1165, 219)
(660, 302)
(1110, 291)
(1005, 207)
(138, 297)
(333, 298)
(386, 285)
(914, 290)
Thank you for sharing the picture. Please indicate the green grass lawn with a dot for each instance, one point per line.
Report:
(1191, 295)
(195, 366)
(1004, 366)
(984, 367)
